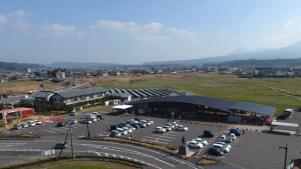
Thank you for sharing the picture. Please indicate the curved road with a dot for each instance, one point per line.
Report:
(151, 158)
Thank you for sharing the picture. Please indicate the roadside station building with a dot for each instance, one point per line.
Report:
(192, 107)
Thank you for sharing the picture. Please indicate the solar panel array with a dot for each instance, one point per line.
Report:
(142, 93)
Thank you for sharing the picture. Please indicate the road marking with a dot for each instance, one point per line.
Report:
(119, 149)
(157, 138)
(50, 131)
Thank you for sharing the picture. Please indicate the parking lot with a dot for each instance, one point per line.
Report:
(101, 128)
(251, 150)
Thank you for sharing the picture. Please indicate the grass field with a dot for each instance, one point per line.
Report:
(229, 87)
(279, 92)
(81, 164)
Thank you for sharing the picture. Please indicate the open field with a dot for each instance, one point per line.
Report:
(81, 164)
(264, 90)
(279, 92)
(17, 87)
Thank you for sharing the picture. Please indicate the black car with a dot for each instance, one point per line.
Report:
(207, 133)
(100, 116)
(61, 124)
(60, 146)
(216, 151)
(235, 131)
(114, 127)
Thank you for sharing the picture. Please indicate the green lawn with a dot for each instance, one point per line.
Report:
(227, 87)
(81, 164)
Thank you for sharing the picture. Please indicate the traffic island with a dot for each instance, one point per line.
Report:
(83, 162)
(24, 136)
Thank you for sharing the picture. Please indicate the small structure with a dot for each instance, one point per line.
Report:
(285, 128)
(16, 112)
(121, 108)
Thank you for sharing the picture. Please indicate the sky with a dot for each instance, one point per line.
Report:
(137, 31)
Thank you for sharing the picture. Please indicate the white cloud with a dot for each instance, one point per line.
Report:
(290, 24)
(150, 31)
(18, 13)
(57, 30)
(3, 19)
(22, 25)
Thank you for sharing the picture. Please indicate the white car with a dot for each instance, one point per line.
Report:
(150, 121)
(160, 130)
(37, 122)
(24, 125)
(223, 147)
(72, 121)
(31, 123)
(128, 129)
(145, 122)
(223, 143)
(181, 128)
(233, 136)
(204, 142)
(122, 131)
(195, 144)
(168, 128)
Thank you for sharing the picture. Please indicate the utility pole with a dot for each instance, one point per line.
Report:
(71, 140)
(88, 131)
(285, 157)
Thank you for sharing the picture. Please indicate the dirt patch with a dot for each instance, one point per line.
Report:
(207, 161)
(219, 85)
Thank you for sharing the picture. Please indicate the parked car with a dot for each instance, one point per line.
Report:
(72, 121)
(128, 129)
(160, 130)
(31, 123)
(232, 136)
(150, 121)
(207, 133)
(181, 128)
(200, 140)
(115, 133)
(223, 143)
(17, 127)
(122, 131)
(235, 131)
(61, 124)
(223, 147)
(168, 128)
(142, 125)
(226, 139)
(145, 122)
(98, 115)
(61, 146)
(215, 151)
(37, 122)
(171, 125)
(86, 121)
(194, 144)
(24, 125)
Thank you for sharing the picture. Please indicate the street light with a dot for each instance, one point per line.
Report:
(285, 157)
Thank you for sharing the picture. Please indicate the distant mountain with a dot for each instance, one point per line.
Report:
(9, 66)
(80, 65)
(296, 63)
(290, 52)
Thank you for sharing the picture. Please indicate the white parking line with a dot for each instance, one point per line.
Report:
(156, 138)
(169, 137)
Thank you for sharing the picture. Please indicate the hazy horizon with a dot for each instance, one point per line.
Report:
(140, 31)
